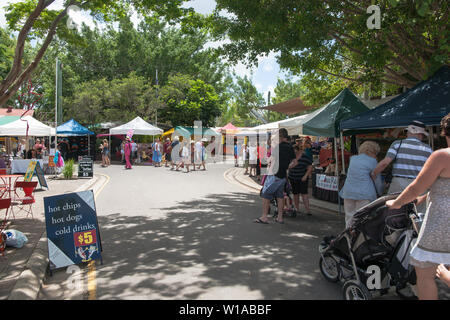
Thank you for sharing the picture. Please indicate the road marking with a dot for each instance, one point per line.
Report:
(91, 276)
(230, 176)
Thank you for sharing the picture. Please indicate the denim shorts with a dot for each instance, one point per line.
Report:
(273, 188)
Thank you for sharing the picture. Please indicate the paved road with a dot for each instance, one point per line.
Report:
(176, 235)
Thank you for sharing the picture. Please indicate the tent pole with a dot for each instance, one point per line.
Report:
(431, 138)
(336, 160)
(342, 153)
(337, 174)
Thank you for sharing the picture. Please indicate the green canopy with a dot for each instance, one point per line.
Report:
(327, 122)
(188, 131)
(8, 119)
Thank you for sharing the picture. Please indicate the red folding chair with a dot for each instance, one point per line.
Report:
(24, 197)
(4, 204)
(3, 186)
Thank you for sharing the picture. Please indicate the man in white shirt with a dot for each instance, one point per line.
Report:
(198, 153)
(134, 149)
(253, 158)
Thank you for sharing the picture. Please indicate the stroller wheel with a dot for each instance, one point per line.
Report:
(329, 268)
(355, 290)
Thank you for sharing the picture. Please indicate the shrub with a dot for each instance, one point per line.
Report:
(68, 169)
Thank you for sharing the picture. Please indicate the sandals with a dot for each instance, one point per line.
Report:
(260, 221)
(280, 222)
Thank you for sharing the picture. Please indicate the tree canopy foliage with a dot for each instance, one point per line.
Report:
(323, 39)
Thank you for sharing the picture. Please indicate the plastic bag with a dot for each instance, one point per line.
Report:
(15, 238)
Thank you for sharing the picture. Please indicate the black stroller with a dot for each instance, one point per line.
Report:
(373, 254)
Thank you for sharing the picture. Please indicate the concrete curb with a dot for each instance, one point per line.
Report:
(30, 280)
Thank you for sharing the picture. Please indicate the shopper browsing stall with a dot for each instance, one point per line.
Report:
(359, 188)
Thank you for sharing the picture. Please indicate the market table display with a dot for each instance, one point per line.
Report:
(21, 165)
(325, 187)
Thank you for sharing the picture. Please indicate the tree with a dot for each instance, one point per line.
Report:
(331, 37)
(6, 52)
(188, 100)
(32, 18)
(245, 98)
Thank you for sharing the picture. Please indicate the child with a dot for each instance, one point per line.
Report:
(58, 160)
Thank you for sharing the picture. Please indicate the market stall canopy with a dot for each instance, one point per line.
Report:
(189, 131)
(294, 125)
(139, 127)
(326, 123)
(15, 112)
(289, 107)
(73, 128)
(8, 119)
(229, 126)
(428, 102)
(266, 127)
(19, 128)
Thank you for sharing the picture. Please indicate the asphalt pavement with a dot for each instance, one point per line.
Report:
(178, 235)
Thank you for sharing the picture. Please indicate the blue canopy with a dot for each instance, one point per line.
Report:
(73, 128)
(428, 102)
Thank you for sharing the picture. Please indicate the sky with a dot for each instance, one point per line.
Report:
(264, 76)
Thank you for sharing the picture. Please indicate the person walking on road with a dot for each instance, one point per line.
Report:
(432, 248)
(253, 158)
(282, 159)
(245, 157)
(167, 150)
(157, 155)
(128, 152)
(104, 147)
(299, 178)
(174, 152)
(185, 157)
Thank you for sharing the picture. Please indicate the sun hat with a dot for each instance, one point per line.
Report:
(417, 127)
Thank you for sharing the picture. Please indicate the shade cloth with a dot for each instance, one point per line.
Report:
(139, 127)
(428, 102)
(73, 128)
(19, 128)
(289, 107)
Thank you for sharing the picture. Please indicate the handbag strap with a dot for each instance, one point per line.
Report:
(398, 149)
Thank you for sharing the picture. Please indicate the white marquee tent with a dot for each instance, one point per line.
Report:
(18, 128)
(139, 127)
(294, 125)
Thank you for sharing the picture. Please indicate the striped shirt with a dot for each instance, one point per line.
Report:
(297, 172)
(410, 158)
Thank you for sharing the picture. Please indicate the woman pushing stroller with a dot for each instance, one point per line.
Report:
(432, 250)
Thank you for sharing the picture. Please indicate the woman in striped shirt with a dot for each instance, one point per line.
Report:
(299, 178)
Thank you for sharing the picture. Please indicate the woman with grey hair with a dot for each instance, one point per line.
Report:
(359, 188)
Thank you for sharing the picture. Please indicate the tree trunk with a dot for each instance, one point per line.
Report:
(15, 78)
